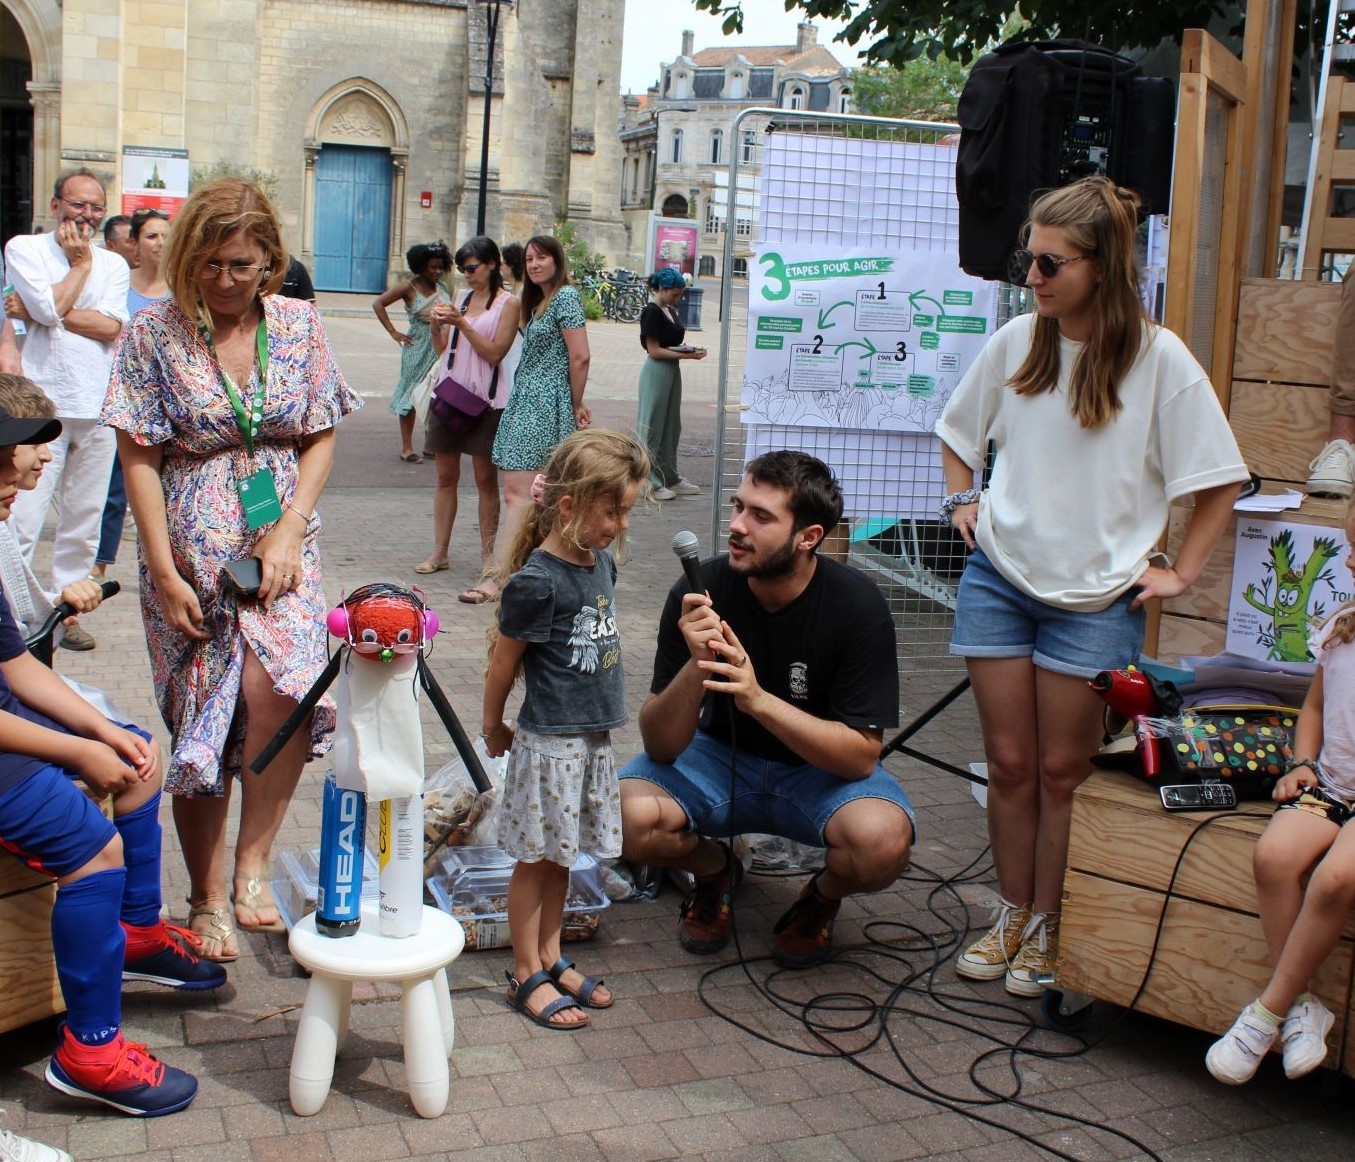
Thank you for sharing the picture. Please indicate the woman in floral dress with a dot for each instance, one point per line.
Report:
(547, 400)
(226, 398)
(429, 263)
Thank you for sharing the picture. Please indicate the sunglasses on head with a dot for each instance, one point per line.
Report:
(470, 267)
(1048, 265)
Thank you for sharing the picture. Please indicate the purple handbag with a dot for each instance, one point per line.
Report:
(455, 405)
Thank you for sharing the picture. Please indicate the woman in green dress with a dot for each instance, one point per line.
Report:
(547, 400)
(421, 292)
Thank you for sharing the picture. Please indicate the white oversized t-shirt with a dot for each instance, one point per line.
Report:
(1071, 514)
(1337, 660)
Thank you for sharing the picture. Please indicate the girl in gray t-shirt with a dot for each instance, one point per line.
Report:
(557, 629)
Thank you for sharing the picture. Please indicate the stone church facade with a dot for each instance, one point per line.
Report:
(363, 109)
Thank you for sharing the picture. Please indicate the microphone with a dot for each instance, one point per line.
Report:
(685, 547)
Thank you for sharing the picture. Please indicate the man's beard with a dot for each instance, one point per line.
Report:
(777, 564)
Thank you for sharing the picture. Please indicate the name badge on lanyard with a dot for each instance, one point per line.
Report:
(258, 491)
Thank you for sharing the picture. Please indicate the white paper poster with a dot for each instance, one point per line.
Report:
(865, 338)
(1287, 579)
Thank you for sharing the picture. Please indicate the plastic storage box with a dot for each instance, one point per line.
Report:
(296, 882)
(471, 883)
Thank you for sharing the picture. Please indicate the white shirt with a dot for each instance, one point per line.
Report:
(1337, 660)
(1071, 514)
(72, 369)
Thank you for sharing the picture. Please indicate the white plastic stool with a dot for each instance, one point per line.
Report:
(419, 963)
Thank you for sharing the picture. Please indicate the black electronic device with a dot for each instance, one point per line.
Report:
(1198, 797)
(1037, 115)
(687, 549)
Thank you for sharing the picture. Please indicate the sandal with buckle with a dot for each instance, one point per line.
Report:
(253, 901)
(584, 993)
(218, 931)
(518, 994)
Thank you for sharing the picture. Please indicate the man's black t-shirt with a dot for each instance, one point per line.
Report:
(830, 652)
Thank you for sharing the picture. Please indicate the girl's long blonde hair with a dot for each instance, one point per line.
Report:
(589, 466)
(1100, 219)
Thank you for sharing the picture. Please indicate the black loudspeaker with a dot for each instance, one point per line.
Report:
(1041, 114)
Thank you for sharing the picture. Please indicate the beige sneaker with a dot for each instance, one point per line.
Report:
(990, 956)
(1039, 947)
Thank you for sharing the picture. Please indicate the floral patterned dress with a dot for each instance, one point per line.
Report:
(165, 391)
(540, 411)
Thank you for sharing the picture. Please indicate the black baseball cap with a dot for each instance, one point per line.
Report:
(33, 431)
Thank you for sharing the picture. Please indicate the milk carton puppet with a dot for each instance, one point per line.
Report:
(378, 741)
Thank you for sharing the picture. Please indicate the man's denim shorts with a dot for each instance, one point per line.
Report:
(994, 619)
(793, 801)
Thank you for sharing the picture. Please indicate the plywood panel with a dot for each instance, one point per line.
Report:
(1209, 963)
(1184, 637)
(28, 985)
(18, 877)
(1285, 331)
(1280, 427)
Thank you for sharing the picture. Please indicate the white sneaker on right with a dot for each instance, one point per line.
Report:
(1304, 1037)
(686, 488)
(1236, 1056)
(1332, 472)
(663, 494)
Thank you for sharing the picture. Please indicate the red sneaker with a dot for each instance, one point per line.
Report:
(160, 954)
(804, 935)
(703, 923)
(120, 1074)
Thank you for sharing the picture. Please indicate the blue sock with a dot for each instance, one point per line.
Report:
(140, 831)
(88, 943)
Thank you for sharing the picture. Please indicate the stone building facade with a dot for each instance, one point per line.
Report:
(369, 110)
(676, 139)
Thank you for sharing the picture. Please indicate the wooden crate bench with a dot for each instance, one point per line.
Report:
(1212, 958)
(28, 986)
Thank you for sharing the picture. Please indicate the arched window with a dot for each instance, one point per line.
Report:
(796, 97)
(717, 146)
(676, 153)
(844, 101)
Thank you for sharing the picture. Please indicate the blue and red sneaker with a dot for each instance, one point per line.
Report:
(161, 954)
(120, 1074)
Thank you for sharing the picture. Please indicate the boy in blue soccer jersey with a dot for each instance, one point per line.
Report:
(107, 910)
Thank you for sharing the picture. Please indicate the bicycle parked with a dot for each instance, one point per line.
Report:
(621, 295)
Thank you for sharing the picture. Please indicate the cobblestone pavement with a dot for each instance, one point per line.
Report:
(685, 1065)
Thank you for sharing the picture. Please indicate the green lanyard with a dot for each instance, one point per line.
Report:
(247, 421)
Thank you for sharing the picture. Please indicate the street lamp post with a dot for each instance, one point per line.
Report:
(494, 10)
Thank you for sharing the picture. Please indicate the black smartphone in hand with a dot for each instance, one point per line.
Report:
(243, 577)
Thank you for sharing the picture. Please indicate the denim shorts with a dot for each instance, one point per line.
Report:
(994, 619)
(794, 801)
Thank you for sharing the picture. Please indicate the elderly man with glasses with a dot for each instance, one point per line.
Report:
(73, 296)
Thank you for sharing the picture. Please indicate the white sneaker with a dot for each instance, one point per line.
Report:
(16, 1149)
(1304, 1037)
(1035, 961)
(685, 488)
(1236, 1056)
(1332, 472)
(990, 956)
(663, 494)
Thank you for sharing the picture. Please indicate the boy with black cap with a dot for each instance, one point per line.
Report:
(107, 909)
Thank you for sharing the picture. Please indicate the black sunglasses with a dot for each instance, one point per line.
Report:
(470, 267)
(1048, 265)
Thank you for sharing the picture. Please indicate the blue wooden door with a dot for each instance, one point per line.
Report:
(352, 218)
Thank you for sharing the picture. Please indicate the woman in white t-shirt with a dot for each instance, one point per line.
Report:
(1100, 419)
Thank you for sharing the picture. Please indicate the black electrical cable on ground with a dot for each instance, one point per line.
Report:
(885, 959)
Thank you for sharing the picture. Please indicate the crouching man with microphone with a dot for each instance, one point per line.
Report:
(772, 690)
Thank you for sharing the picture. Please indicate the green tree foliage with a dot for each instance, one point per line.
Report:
(582, 260)
(904, 30)
(922, 90)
